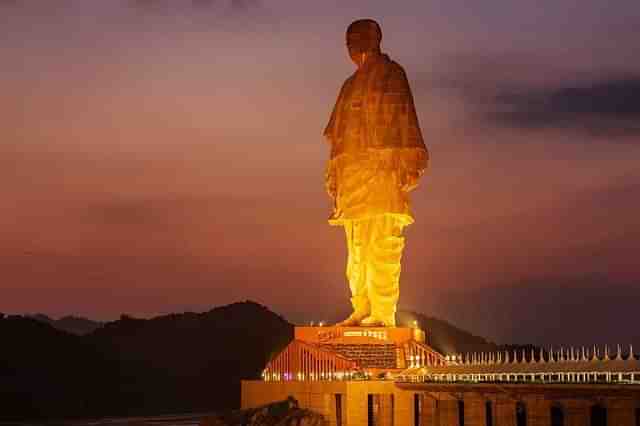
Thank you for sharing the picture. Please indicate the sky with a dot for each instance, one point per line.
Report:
(163, 156)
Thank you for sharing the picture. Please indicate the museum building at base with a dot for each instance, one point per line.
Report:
(358, 376)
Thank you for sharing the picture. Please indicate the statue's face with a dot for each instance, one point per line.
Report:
(357, 50)
(363, 39)
(360, 45)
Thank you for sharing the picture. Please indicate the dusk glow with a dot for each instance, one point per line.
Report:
(164, 156)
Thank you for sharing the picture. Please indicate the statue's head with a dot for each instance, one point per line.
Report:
(363, 39)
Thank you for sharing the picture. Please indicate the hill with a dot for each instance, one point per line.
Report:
(71, 324)
(47, 372)
(193, 361)
(445, 337)
(174, 363)
(188, 362)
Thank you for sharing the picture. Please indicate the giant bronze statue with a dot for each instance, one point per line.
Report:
(377, 157)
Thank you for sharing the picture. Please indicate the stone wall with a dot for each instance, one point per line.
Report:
(396, 406)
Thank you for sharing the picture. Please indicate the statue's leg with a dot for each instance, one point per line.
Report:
(357, 232)
(383, 270)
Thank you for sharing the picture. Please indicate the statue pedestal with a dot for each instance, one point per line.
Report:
(359, 335)
(346, 373)
(373, 350)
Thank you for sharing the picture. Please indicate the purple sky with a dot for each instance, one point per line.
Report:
(166, 155)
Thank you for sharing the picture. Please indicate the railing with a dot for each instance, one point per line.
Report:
(586, 377)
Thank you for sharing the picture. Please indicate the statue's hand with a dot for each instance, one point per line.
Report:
(330, 184)
(410, 181)
(332, 191)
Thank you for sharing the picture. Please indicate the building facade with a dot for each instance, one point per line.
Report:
(390, 376)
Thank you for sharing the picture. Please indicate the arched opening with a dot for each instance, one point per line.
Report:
(557, 415)
(521, 414)
(598, 415)
(460, 413)
(488, 413)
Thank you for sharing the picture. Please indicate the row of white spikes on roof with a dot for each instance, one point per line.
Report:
(562, 355)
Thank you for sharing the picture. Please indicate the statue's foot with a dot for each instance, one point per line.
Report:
(352, 321)
(372, 321)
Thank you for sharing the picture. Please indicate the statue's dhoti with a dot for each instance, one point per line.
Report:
(373, 209)
(373, 269)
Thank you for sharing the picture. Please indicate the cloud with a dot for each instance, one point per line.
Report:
(243, 5)
(161, 212)
(609, 107)
(580, 310)
(203, 3)
(236, 5)
(533, 92)
(37, 7)
(127, 212)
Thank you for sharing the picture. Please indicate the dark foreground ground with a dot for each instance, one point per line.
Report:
(169, 420)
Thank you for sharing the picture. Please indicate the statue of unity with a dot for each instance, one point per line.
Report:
(377, 156)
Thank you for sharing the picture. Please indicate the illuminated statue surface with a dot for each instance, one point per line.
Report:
(377, 157)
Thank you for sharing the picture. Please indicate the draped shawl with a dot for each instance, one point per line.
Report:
(375, 143)
(388, 110)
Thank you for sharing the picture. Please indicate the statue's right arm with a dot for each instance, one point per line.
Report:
(330, 129)
(331, 183)
(330, 180)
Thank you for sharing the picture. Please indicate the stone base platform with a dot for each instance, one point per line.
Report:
(342, 353)
(345, 373)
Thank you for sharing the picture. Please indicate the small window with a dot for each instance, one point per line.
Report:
(598, 415)
(521, 414)
(488, 413)
(371, 410)
(338, 409)
(557, 415)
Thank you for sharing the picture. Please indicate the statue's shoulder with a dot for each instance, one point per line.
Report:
(349, 80)
(347, 83)
(396, 68)
(392, 71)
(389, 64)
(394, 77)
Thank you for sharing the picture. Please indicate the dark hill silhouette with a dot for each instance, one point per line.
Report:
(45, 372)
(445, 337)
(71, 324)
(189, 362)
(195, 361)
(174, 363)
